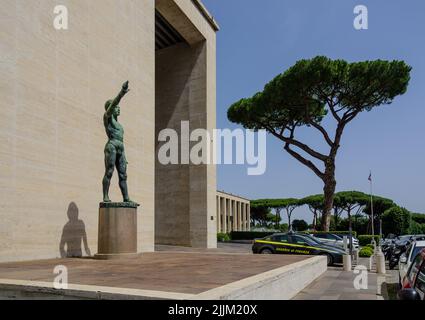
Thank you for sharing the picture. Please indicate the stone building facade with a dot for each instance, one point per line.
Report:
(233, 213)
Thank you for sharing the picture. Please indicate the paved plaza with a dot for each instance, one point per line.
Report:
(189, 272)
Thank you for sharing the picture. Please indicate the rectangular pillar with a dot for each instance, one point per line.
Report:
(241, 215)
(225, 216)
(218, 215)
(249, 217)
(235, 217)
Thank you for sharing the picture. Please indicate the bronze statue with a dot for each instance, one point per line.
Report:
(114, 149)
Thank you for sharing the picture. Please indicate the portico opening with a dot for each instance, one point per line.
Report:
(184, 193)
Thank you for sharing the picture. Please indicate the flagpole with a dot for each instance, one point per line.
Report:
(371, 204)
(379, 256)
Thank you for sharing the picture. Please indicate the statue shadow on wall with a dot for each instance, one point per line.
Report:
(73, 235)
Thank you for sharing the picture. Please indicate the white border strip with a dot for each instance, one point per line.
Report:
(90, 292)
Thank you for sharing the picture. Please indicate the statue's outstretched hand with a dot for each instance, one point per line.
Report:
(125, 88)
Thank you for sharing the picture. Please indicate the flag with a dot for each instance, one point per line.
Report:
(370, 177)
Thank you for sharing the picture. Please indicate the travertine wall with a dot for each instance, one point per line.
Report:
(186, 91)
(53, 86)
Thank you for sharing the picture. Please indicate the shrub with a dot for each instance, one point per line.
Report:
(366, 252)
(249, 235)
(299, 225)
(364, 240)
(223, 237)
(371, 246)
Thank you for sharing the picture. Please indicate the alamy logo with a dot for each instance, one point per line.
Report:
(201, 147)
(361, 281)
(61, 19)
(361, 21)
(61, 279)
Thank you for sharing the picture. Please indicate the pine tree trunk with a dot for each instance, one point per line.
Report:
(278, 218)
(289, 219)
(350, 224)
(336, 218)
(329, 194)
(329, 179)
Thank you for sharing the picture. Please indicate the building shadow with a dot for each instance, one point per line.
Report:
(73, 235)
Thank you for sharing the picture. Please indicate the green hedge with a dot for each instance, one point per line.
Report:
(366, 252)
(338, 233)
(249, 235)
(223, 237)
(364, 240)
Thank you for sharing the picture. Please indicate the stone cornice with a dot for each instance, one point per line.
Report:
(206, 14)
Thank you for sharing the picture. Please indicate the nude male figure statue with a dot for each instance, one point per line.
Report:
(114, 149)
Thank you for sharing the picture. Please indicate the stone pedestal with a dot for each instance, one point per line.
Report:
(347, 262)
(117, 231)
(380, 261)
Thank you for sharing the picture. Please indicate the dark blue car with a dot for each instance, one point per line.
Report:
(299, 244)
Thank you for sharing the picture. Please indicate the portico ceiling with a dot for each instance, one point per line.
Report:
(165, 34)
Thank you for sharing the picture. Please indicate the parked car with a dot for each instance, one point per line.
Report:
(419, 237)
(406, 259)
(295, 243)
(336, 240)
(413, 287)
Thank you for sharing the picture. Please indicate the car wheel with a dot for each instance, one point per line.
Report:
(329, 258)
(266, 251)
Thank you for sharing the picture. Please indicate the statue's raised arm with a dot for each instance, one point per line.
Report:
(113, 103)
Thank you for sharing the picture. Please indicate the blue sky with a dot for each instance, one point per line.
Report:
(261, 38)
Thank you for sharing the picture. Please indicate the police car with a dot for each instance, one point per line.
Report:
(299, 244)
